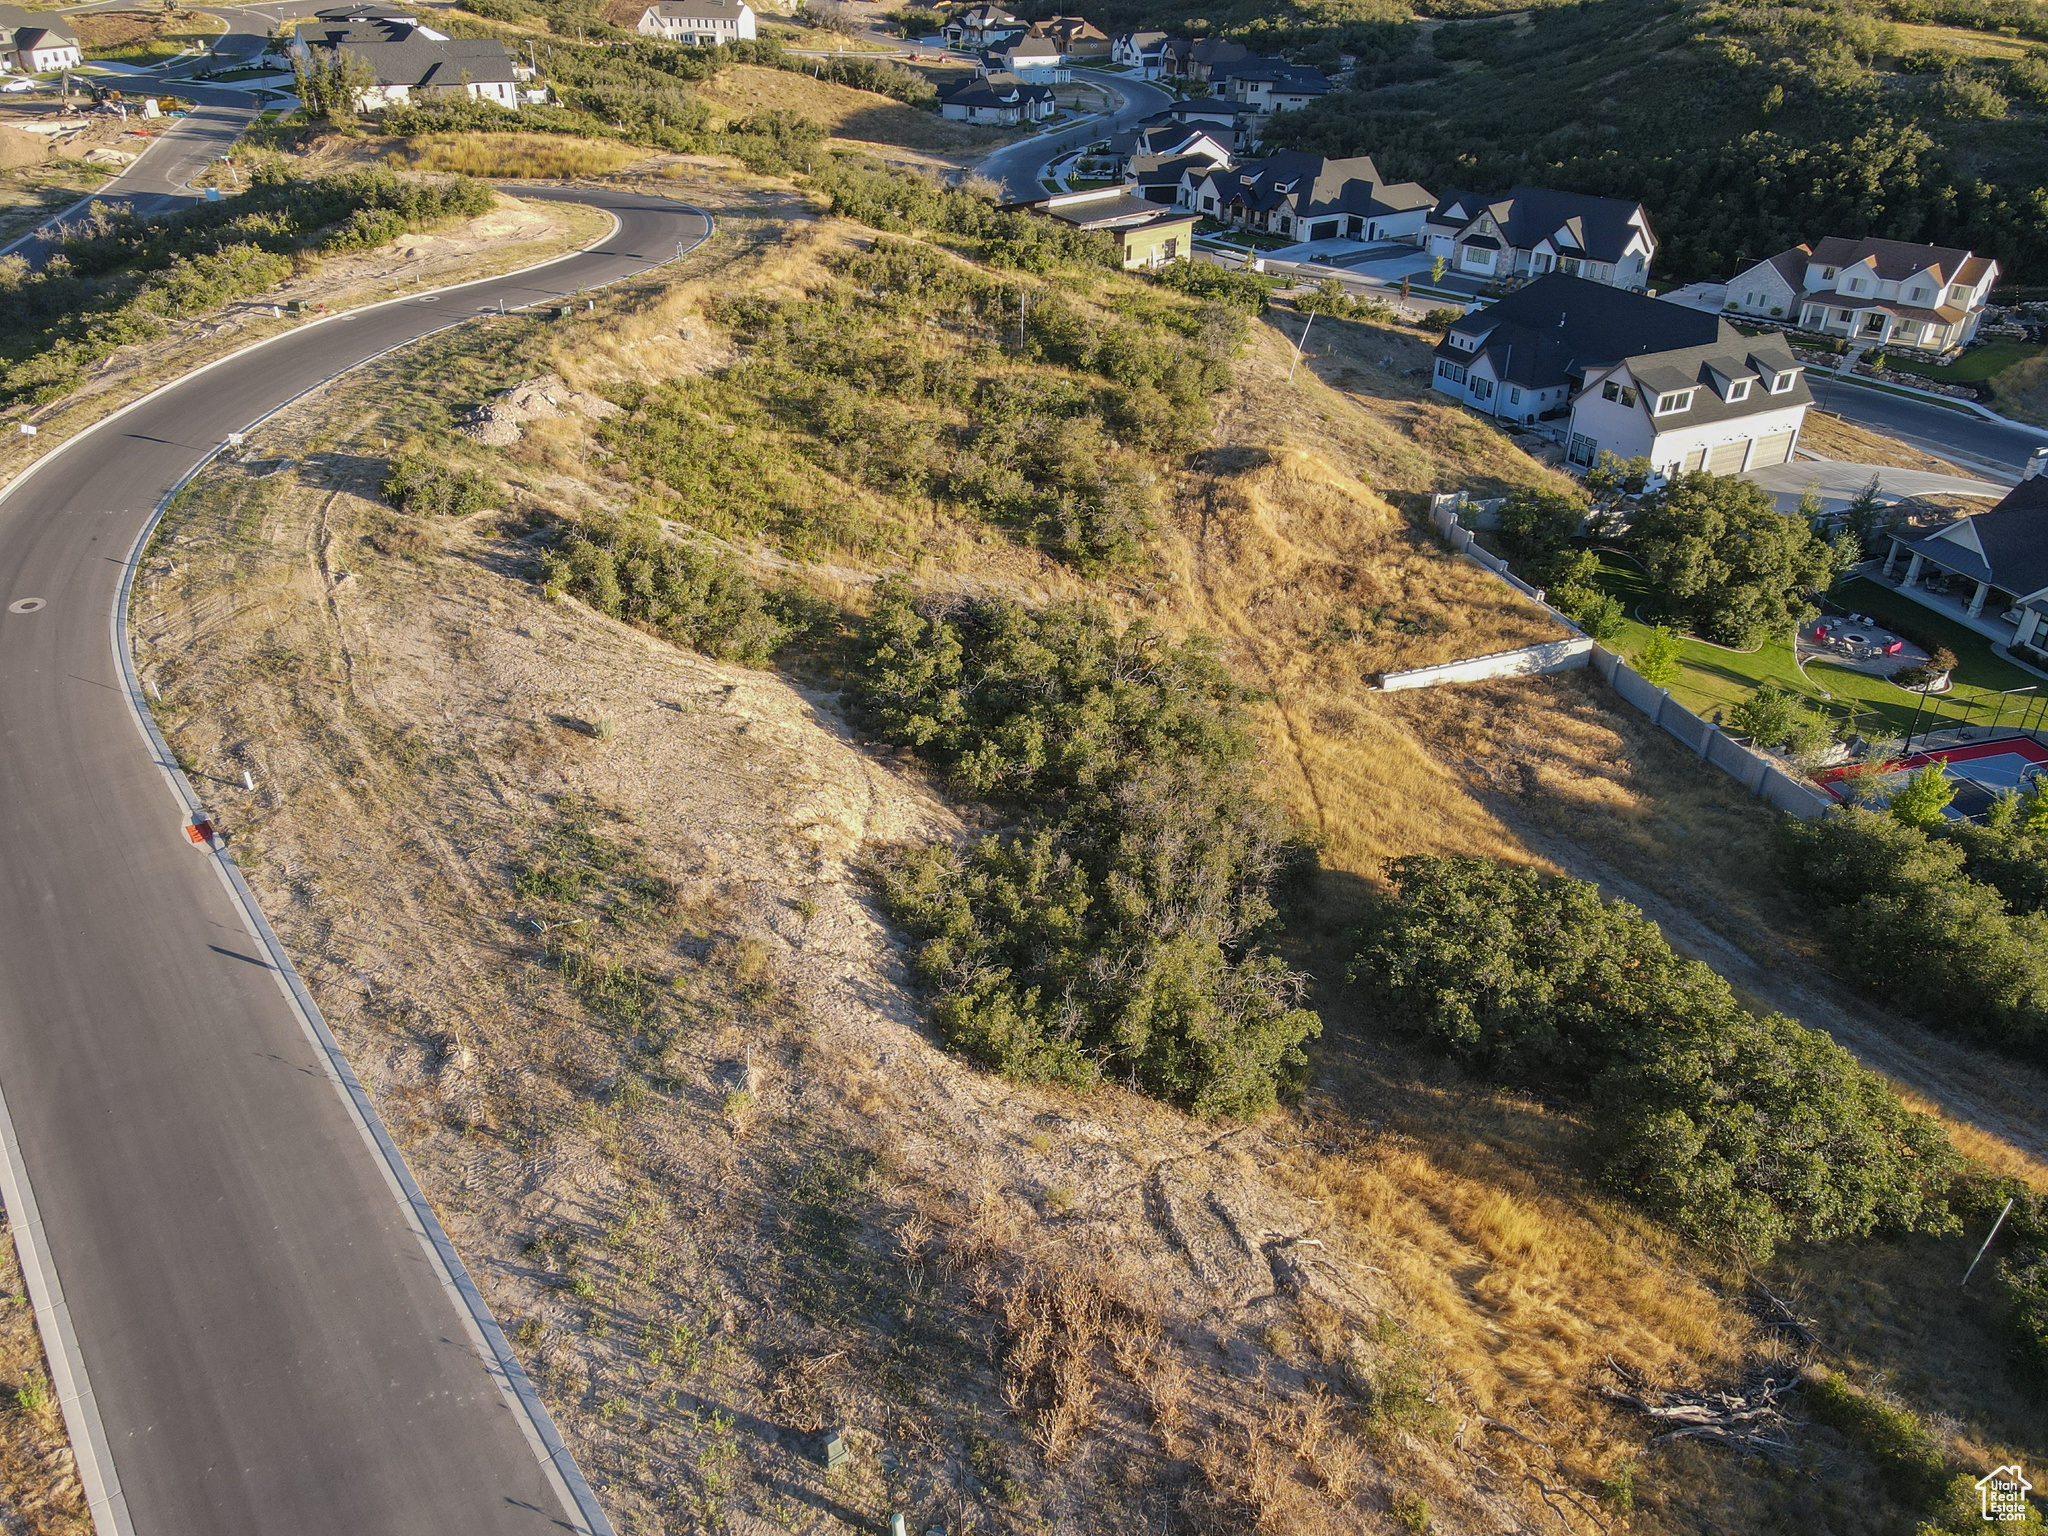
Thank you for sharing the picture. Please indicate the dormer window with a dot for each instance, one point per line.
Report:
(1675, 403)
(1855, 285)
(1738, 391)
(1781, 384)
(1958, 294)
(1827, 274)
(1917, 296)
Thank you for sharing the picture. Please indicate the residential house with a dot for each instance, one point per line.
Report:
(1883, 292)
(1081, 41)
(1170, 179)
(1989, 571)
(1140, 52)
(1308, 197)
(698, 23)
(999, 99)
(1147, 235)
(1270, 85)
(33, 41)
(1182, 59)
(1231, 119)
(1528, 231)
(408, 61)
(1161, 137)
(1726, 406)
(1037, 59)
(980, 25)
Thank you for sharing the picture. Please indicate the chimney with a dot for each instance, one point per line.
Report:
(2037, 461)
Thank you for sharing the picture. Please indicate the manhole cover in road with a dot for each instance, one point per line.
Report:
(25, 605)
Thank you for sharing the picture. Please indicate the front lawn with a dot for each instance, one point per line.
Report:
(1977, 365)
(1712, 678)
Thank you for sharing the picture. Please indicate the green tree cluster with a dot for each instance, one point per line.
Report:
(1727, 561)
(684, 591)
(1114, 933)
(423, 484)
(1775, 716)
(904, 201)
(1743, 1132)
(1541, 532)
(1903, 917)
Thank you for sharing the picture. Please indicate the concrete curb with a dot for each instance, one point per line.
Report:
(89, 1443)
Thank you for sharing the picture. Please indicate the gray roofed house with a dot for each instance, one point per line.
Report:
(1181, 59)
(1309, 197)
(35, 41)
(1161, 137)
(1270, 85)
(698, 23)
(999, 98)
(1880, 292)
(407, 61)
(1147, 235)
(1528, 231)
(1990, 571)
(1140, 52)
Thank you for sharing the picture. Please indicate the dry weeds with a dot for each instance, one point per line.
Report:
(40, 1494)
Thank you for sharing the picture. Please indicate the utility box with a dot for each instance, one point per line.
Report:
(835, 1451)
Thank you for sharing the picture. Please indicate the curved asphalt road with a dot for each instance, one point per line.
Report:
(1961, 433)
(271, 1349)
(1016, 166)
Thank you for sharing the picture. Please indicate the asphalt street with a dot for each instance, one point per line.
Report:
(1962, 434)
(1017, 165)
(269, 1345)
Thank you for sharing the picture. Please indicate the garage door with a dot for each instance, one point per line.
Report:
(1327, 230)
(1696, 461)
(1727, 458)
(1775, 449)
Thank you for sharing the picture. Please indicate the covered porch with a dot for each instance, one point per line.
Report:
(1958, 584)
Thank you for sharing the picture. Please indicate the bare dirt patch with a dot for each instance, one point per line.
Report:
(40, 1494)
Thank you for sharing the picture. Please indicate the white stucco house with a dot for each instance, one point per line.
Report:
(1269, 85)
(35, 41)
(1881, 292)
(1039, 60)
(1529, 231)
(698, 23)
(1139, 52)
(1636, 377)
(1308, 197)
(407, 61)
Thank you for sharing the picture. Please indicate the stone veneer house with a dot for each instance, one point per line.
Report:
(1308, 197)
(1882, 292)
(1529, 231)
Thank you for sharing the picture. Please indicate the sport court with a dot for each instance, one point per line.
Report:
(1977, 769)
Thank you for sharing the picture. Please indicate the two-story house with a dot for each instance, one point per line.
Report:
(1883, 292)
(1727, 406)
(698, 23)
(980, 25)
(407, 61)
(1269, 85)
(1140, 152)
(1182, 59)
(1139, 52)
(1039, 60)
(1080, 40)
(1529, 231)
(34, 41)
(1308, 197)
(1989, 571)
(1000, 100)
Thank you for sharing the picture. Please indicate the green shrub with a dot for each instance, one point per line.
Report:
(1907, 1456)
(1115, 933)
(1903, 918)
(420, 485)
(1240, 289)
(627, 568)
(1740, 1131)
(1658, 660)
(1774, 716)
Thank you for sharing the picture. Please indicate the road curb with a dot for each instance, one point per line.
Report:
(60, 1344)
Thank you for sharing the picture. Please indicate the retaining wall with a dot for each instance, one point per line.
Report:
(1754, 771)
(1529, 661)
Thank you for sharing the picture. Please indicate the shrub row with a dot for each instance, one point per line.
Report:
(690, 593)
(1114, 932)
(901, 201)
(1904, 918)
(1742, 1132)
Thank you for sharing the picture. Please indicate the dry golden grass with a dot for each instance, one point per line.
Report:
(39, 1489)
(1832, 437)
(846, 113)
(537, 155)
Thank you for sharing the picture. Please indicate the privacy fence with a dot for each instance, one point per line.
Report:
(1761, 775)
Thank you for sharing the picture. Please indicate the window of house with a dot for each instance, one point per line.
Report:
(1855, 285)
(1628, 398)
(1918, 296)
(1610, 391)
(1738, 390)
(1514, 397)
(1453, 372)
(1827, 274)
(1958, 294)
(1569, 266)
(1676, 401)
(1482, 389)
(1582, 449)
(1782, 383)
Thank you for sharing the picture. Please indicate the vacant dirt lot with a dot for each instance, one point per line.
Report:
(846, 113)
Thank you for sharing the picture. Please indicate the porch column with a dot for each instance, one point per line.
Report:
(2030, 621)
(1891, 560)
(1977, 602)
(1912, 570)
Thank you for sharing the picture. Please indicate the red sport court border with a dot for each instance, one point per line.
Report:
(2031, 754)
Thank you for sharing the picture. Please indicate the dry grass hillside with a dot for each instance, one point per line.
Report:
(865, 117)
(699, 1145)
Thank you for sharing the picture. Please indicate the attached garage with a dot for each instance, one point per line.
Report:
(1325, 230)
(1775, 449)
(1695, 461)
(1726, 459)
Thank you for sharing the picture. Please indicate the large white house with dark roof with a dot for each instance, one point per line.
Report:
(1308, 197)
(407, 61)
(33, 41)
(698, 23)
(1882, 292)
(1639, 378)
(1529, 231)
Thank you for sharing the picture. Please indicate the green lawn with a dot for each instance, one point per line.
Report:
(1976, 365)
(1714, 678)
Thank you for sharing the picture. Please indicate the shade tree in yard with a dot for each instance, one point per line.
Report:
(1728, 563)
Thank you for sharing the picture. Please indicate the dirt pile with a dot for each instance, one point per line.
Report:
(499, 423)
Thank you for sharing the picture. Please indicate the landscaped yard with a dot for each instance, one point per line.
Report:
(1713, 677)
(1976, 365)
